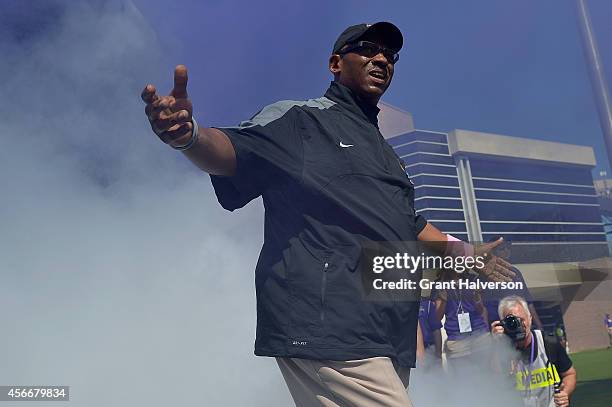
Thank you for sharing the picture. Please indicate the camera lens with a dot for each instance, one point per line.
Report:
(513, 323)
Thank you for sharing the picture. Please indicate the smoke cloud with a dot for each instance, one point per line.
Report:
(120, 276)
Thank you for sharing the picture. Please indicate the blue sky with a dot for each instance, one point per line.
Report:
(508, 67)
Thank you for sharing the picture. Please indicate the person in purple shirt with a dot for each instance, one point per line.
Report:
(430, 335)
(608, 324)
(468, 338)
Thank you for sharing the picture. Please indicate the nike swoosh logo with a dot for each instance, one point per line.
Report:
(345, 145)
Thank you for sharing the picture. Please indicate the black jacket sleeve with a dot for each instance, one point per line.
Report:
(266, 146)
(420, 223)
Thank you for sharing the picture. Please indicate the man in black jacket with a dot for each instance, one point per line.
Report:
(330, 184)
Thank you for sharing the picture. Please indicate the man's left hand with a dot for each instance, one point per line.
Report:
(561, 399)
(495, 268)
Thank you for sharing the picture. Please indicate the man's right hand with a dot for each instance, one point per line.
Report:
(497, 328)
(170, 116)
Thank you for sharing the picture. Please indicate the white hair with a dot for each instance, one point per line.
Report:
(512, 301)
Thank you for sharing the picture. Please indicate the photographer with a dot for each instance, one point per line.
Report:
(543, 372)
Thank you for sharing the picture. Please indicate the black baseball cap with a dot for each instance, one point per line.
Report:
(389, 32)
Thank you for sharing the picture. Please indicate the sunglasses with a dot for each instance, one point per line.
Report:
(370, 50)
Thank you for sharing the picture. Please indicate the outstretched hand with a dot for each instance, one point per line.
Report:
(495, 268)
(170, 116)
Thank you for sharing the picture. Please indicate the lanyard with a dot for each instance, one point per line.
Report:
(531, 362)
(459, 296)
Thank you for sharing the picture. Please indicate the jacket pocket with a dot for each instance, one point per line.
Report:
(314, 294)
(323, 288)
(338, 268)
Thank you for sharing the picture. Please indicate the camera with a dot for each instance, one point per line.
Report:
(513, 327)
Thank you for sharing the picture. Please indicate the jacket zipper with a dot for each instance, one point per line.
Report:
(323, 288)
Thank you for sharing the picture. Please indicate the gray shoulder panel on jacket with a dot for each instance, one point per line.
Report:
(277, 110)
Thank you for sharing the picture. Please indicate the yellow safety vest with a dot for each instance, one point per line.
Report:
(542, 377)
(537, 386)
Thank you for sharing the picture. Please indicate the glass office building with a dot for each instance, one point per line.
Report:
(433, 170)
(479, 186)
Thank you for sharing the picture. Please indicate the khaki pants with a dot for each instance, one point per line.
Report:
(473, 343)
(372, 382)
(468, 353)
